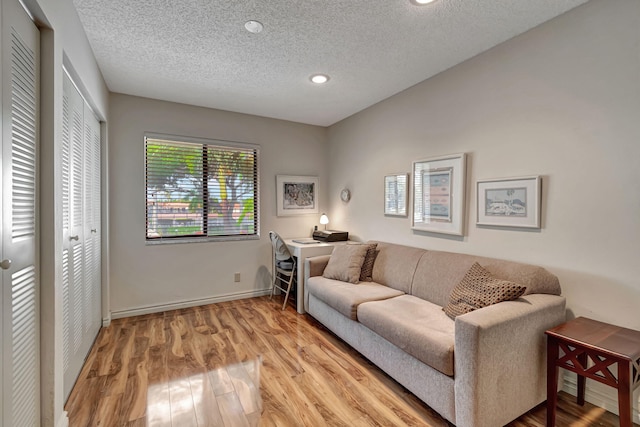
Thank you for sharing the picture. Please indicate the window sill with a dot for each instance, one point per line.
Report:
(179, 241)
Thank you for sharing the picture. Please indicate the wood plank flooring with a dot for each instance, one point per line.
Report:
(247, 363)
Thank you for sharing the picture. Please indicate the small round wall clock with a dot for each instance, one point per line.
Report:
(345, 195)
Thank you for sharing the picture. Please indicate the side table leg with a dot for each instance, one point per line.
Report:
(582, 380)
(624, 394)
(552, 380)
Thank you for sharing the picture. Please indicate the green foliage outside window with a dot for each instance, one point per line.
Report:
(200, 189)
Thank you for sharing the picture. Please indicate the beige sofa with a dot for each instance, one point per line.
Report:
(484, 369)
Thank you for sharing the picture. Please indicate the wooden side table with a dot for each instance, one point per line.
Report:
(582, 339)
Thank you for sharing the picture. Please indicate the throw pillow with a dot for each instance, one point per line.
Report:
(478, 289)
(367, 266)
(345, 263)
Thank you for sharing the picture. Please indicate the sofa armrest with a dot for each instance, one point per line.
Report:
(314, 266)
(500, 359)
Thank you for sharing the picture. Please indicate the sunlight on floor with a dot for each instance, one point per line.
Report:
(233, 390)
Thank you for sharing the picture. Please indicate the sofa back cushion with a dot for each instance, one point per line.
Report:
(395, 265)
(438, 273)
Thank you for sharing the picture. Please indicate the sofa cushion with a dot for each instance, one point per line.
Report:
(395, 265)
(345, 263)
(369, 259)
(439, 272)
(479, 289)
(414, 325)
(345, 297)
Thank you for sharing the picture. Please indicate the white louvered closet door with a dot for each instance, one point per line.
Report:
(20, 317)
(81, 287)
(92, 257)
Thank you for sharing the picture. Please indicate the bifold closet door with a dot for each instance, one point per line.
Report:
(81, 255)
(92, 303)
(20, 316)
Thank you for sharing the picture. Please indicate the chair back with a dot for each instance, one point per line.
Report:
(280, 250)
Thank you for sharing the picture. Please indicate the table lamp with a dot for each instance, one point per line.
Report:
(324, 220)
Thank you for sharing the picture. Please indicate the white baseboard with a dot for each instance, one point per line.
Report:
(63, 421)
(187, 303)
(106, 321)
(600, 395)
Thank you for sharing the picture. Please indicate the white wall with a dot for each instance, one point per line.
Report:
(153, 277)
(561, 101)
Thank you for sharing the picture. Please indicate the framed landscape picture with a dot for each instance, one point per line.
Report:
(438, 194)
(509, 202)
(296, 195)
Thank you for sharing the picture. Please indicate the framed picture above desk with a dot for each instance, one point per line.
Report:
(303, 248)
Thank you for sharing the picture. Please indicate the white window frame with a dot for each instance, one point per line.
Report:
(217, 143)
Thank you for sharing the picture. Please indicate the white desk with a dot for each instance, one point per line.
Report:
(303, 251)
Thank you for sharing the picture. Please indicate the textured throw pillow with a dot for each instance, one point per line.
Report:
(345, 263)
(367, 266)
(480, 289)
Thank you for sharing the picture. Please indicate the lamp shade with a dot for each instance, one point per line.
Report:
(324, 219)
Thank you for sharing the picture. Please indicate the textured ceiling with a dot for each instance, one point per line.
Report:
(198, 51)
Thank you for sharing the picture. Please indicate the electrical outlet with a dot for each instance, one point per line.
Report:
(236, 277)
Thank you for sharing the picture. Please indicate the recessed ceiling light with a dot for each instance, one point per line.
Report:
(319, 78)
(422, 2)
(253, 26)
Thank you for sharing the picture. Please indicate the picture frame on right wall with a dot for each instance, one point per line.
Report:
(509, 202)
(396, 194)
(438, 194)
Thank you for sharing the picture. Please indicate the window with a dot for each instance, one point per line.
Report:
(200, 189)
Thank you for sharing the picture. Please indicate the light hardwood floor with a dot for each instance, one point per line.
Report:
(247, 363)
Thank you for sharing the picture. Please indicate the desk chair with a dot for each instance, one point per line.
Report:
(283, 267)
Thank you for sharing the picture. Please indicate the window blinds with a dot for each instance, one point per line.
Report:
(200, 189)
